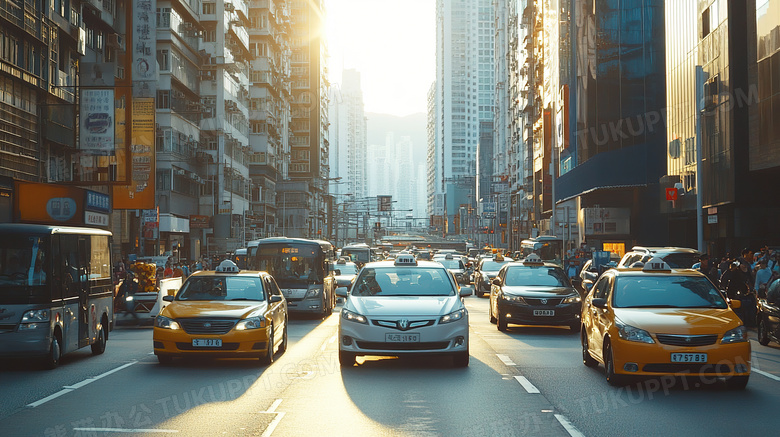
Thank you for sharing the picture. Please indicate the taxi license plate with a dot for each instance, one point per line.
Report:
(402, 338)
(689, 358)
(207, 342)
(544, 312)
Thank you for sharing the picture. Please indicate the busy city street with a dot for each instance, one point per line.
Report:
(526, 381)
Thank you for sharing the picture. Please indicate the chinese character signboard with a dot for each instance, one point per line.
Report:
(140, 193)
(144, 72)
(199, 221)
(96, 112)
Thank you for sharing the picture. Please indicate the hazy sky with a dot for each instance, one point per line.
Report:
(392, 45)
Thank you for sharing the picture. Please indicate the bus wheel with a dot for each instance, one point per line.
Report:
(99, 346)
(52, 360)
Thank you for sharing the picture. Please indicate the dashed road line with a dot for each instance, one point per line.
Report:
(274, 406)
(573, 432)
(530, 388)
(272, 426)
(767, 374)
(506, 360)
(128, 430)
(69, 388)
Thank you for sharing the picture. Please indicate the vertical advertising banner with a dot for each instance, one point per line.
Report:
(385, 203)
(140, 193)
(144, 50)
(96, 110)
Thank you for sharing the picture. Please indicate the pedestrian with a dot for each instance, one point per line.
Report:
(725, 263)
(762, 278)
(571, 271)
(738, 283)
(168, 272)
(709, 271)
(120, 270)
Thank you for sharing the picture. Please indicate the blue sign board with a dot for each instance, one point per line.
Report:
(97, 202)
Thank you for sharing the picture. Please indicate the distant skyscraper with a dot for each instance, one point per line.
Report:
(348, 143)
(463, 100)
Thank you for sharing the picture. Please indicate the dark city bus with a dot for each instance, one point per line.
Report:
(301, 267)
(56, 291)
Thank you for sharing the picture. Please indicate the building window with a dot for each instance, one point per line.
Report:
(209, 8)
(162, 60)
(163, 99)
(210, 36)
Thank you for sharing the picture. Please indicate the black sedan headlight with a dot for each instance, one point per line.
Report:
(517, 300)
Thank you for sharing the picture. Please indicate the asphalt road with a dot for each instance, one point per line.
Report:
(528, 381)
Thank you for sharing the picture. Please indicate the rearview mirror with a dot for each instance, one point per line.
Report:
(341, 282)
(587, 284)
(276, 298)
(168, 298)
(466, 291)
(735, 304)
(497, 281)
(341, 292)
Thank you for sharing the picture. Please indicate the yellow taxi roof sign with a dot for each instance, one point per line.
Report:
(533, 258)
(656, 265)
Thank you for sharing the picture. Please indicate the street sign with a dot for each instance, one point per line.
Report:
(671, 194)
(712, 219)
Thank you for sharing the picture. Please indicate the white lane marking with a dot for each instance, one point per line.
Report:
(530, 388)
(272, 426)
(333, 339)
(274, 406)
(506, 360)
(50, 397)
(767, 374)
(573, 432)
(70, 388)
(127, 430)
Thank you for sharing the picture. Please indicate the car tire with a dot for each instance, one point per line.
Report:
(613, 378)
(737, 382)
(491, 317)
(763, 335)
(461, 359)
(346, 359)
(268, 358)
(283, 346)
(52, 359)
(501, 322)
(587, 358)
(165, 360)
(99, 346)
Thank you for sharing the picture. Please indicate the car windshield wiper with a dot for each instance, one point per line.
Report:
(651, 306)
(244, 298)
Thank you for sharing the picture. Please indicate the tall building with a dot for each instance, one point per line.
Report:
(463, 104)
(303, 197)
(224, 127)
(269, 111)
(610, 161)
(348, 138)
(737, 46)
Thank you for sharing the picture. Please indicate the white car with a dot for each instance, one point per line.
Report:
(404, 307)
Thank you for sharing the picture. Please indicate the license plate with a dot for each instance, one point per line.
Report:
(689, 358)
(207, 342)
(402, 338)
(544, 312)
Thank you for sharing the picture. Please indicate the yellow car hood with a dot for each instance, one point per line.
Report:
(690, 321)
(218, 309)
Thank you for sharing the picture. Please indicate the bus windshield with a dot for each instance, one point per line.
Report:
(23, 272)
(357, 254)
(550, 250)
(292, 265)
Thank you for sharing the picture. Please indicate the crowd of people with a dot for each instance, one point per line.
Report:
(744, 277)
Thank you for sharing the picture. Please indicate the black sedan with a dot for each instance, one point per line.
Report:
(487, 269)
(534, 293)
(769, 314)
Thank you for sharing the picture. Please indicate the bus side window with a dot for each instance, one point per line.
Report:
(56, 268)
(70, 265)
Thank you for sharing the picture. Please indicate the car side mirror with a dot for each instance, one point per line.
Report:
(497, 281)
(735, 304)
(337, 272)
(466, 291)
(276, 298)
(168, 298)
(587, 284)
(599, 303)
(341, 292)
(346, 283)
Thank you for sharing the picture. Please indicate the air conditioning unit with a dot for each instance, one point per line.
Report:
(229, 7)
(116, 41)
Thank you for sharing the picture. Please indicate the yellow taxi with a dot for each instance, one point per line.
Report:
(656, 320)
(225, 313)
